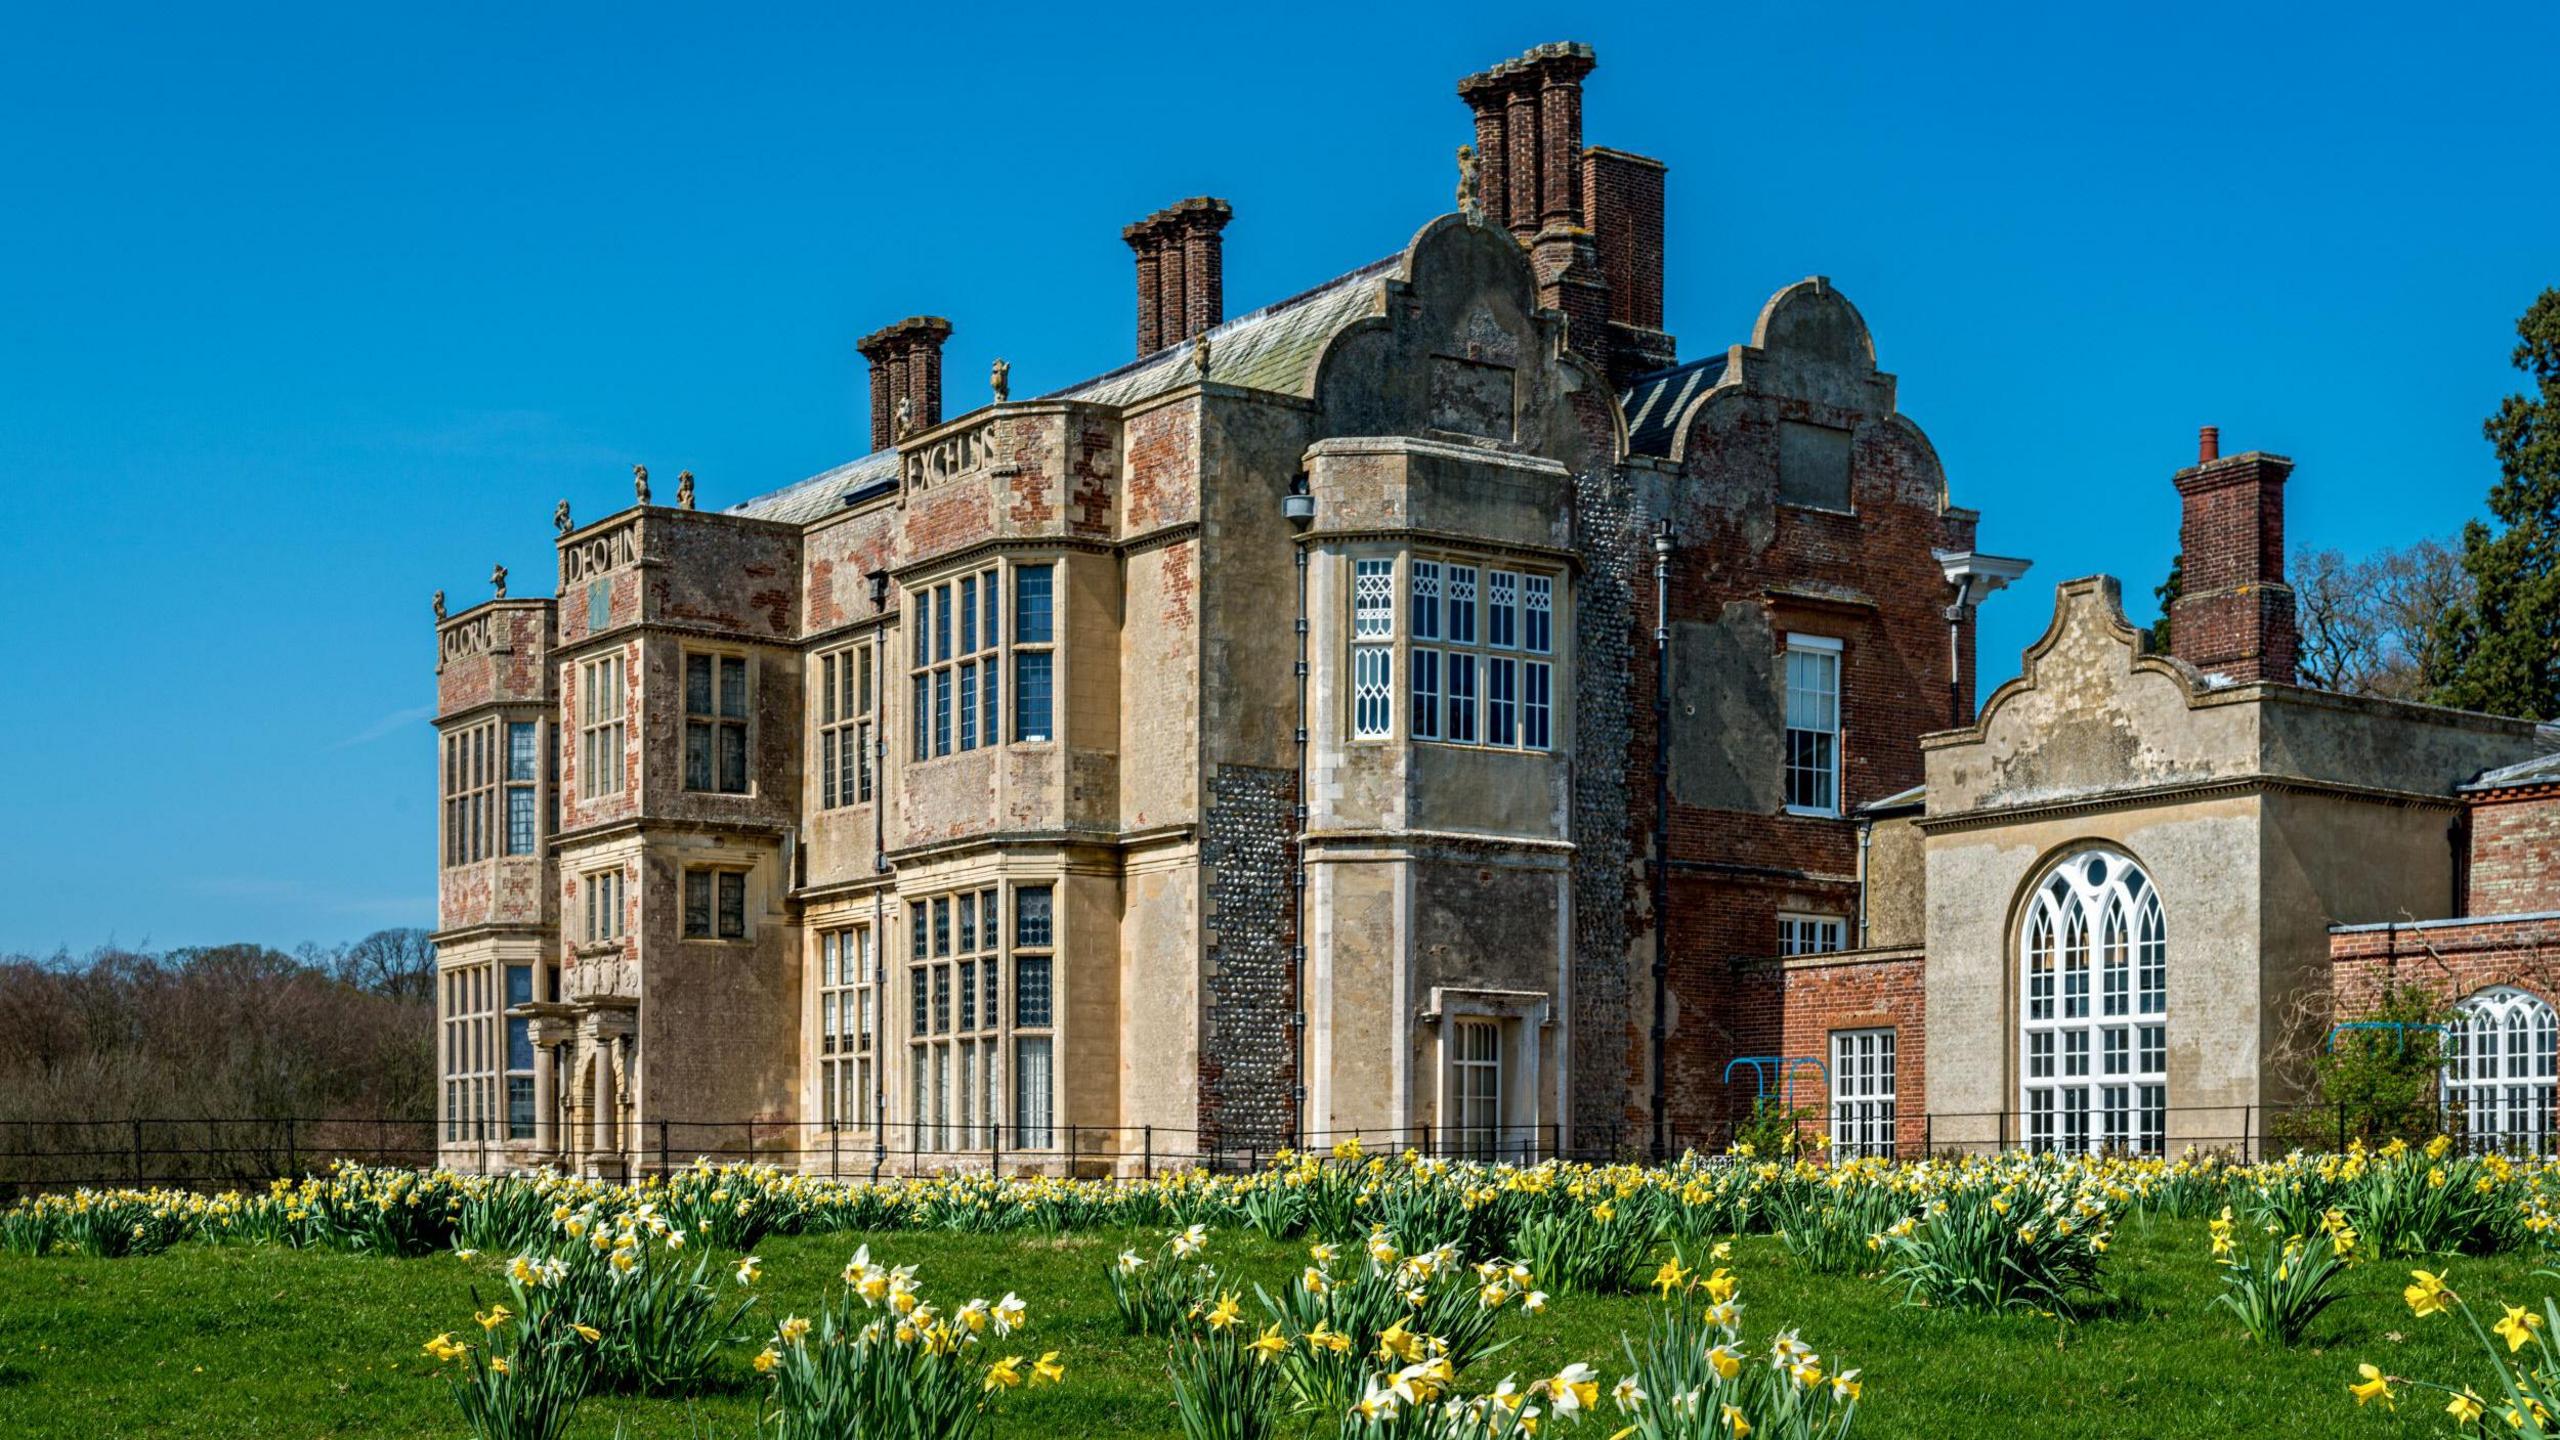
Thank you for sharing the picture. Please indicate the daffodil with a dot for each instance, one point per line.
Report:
(747, 1269)
(1005, 1374)
(1047, 1370)
(2374, 1386)
(2517, 1327)
(2464, 1408)
(766, 1359)
(2429, 1295)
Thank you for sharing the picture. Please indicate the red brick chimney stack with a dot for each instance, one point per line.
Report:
(1181, 271)
(2234, 615)
(906, 364)
(1534, 178)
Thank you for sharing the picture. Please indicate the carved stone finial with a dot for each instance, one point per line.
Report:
(439, 605)
(640, 482)
(684, 488)
(560, 518)
(498, 578)
(1470, 203)
(1200, 354)
(1000, 379)
(906, 419)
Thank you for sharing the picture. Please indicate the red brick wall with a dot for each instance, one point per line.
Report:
(2453, 960)
(1733, 871)
(2515, 852)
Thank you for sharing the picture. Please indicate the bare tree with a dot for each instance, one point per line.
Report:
(2369, 624)
(397, 964)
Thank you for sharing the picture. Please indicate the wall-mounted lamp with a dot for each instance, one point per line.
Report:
(1300, 503)
(879, 589)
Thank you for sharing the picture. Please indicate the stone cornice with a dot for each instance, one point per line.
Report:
(2182, 793)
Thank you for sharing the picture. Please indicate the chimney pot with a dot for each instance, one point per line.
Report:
(2208, 444)
(1181, 264)
(906, 364)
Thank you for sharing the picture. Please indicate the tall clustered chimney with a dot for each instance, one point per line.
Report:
(2234, 615)
(906, 364)
(1181, 265)
(1534, 177)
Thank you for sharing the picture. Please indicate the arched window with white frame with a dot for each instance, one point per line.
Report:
(2502, 1054)
(2094, 1052)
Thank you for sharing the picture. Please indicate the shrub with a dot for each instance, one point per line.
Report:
(1587, 1249)
(1337, 1320)
(1224, 1384)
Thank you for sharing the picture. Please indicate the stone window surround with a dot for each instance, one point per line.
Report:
(715, 717)
(997, 648)
(1401, 641)
(1524, 1018)
(604, 892)
(746, 903)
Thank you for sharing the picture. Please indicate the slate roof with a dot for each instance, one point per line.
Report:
(822, 493)
(2541, 770)
(1655, 403)
(1274, 348)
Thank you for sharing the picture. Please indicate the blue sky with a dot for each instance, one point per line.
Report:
(304, 315)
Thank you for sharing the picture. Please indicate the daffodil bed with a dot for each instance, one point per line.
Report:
(303, 1312)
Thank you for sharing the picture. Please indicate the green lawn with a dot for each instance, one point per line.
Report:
(268, 1342)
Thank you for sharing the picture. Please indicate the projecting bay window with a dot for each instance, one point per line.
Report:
(1373, 653)
(715, 904)
(1813, 725)
(846, 1024)
(959, 652)
(602, 731)
(470, 791)
(715, 723)
(470, 1022)
(1034, 960)
(524, 767)
(519, 1055)
(604, 906)
(1034, 653)
(957, 1018)
(1482, 655)
(844, 727)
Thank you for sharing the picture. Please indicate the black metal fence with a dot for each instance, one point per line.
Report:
(239, 1153)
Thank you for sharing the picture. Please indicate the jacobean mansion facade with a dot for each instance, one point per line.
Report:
(1428, 706)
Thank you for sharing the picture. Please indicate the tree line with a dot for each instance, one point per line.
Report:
(2475, 624)
(221, 1031)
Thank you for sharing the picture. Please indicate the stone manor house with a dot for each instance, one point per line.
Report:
(1427, 706)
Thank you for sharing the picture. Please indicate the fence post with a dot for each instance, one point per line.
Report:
(1928, 1133)
(915, 1146)
(2342, 1126)
(1147, 1165)
(1071, 1152)
(835, 1153)
(995, 1149)
(137, 1154)
(2246, 1112)
(662, 1147)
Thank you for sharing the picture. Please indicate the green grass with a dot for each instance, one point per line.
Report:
(238, 1342)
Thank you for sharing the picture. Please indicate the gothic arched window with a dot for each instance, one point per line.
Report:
(2095, 1054)
(2499, 1069)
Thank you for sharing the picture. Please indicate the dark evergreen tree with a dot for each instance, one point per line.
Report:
(2503, 647)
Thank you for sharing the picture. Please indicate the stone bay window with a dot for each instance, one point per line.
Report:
(1477, 639)
(979, 1044)
(960, 635)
